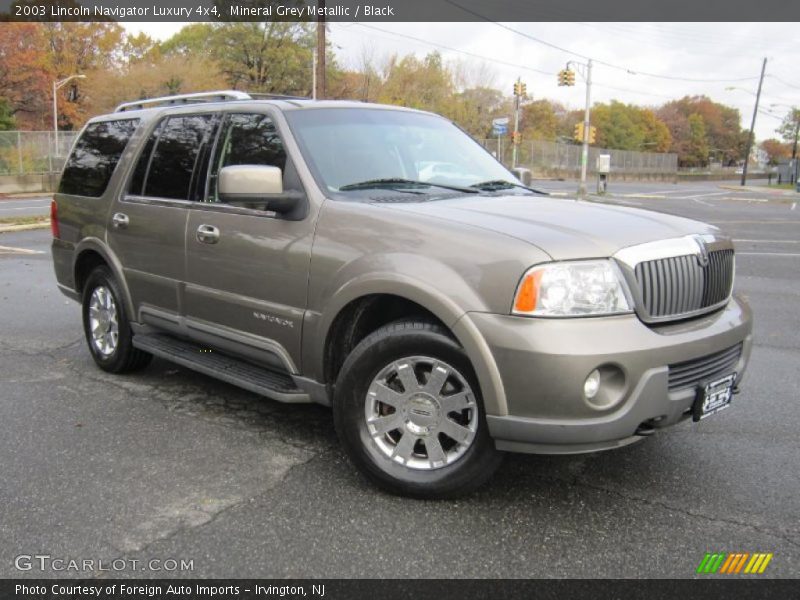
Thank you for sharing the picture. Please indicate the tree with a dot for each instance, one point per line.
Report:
(80, 48)
(24, 73)
(697, 148)
(159, 76)
(425, 84)
(538, 121)
(7, 121)
(789, 129)
(726, 138)
(272, 57)
(776, 150)
(628, 127)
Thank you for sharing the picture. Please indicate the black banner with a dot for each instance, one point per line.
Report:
(399, 10)
(421, 589)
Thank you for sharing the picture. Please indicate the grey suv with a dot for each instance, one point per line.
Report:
(378, 260)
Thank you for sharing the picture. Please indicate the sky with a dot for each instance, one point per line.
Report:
(640, 63)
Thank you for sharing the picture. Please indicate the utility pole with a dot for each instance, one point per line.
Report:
(753, 124)
(319, 87)
(586, 127)
(519, 92)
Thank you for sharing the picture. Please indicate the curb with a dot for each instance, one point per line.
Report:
(760, 190)
(26, 227)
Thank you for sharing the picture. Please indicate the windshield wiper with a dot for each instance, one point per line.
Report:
(394, 182)
(494, 185)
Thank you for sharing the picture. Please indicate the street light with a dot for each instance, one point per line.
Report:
(57, 85)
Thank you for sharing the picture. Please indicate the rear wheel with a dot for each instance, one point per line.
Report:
(409, 413)
(107, 327)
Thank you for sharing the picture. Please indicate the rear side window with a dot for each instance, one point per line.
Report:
(95, 156)
(177, 160)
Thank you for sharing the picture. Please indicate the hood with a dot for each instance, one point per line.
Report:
(563, 228)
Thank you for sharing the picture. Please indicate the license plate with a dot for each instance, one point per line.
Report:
(714, 397)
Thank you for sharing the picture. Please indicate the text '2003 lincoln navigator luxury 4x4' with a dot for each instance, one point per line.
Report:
(378, 260)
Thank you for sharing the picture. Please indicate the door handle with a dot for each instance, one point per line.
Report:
(207, 234)
(120, 220)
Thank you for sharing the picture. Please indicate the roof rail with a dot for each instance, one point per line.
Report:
(184, 99)
(270, 96)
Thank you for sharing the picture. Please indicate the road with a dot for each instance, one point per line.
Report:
(168, 464)
(24, 207)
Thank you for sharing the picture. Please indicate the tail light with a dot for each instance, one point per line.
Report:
(54, 220)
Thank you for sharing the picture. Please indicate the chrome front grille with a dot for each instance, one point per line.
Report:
(679, 286)
(692, 373)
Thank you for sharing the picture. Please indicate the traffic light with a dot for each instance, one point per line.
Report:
(520, 89)
(578, 135)
(516, 137)
(566, 77)
(592, 134)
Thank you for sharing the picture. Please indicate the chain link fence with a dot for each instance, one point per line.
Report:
(554, 159)
(34, 152)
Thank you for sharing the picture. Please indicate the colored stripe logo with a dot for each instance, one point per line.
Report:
(734, 563)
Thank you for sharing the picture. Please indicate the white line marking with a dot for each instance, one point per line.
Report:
(703, 202)
(2, 209)
(705, 195)
(12, 250)
(770, 241)
(746, 199)
(766, 254)
(794, 205)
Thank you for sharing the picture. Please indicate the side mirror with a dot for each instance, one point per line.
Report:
(251, 184)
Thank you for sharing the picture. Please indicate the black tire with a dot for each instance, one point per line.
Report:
(124, 358)
(395, 342)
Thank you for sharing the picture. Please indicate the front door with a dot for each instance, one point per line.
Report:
(247, 268)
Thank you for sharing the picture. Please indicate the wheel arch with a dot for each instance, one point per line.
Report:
(89, 254)
(326, 343)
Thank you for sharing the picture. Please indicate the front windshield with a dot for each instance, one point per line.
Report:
(347, 146)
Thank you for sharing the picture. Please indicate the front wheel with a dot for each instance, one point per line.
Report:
(408, 412)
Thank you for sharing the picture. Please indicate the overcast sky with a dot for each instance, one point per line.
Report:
(705, 52)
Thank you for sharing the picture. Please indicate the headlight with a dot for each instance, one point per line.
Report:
(572, 289)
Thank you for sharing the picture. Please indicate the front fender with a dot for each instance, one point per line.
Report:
(410, 277)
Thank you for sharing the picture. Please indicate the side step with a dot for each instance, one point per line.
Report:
(263, 381)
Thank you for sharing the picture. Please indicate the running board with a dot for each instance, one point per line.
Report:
(274, 385)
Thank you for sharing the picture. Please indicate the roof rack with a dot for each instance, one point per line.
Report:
(184, 99)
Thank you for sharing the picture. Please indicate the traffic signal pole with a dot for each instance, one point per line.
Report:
(586, 131)
(516, 129)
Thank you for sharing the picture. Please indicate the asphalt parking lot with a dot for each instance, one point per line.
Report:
(168, 464)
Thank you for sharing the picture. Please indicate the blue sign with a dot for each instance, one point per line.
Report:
(499, 129)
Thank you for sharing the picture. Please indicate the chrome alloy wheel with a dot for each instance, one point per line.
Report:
(103, 321)
(421, 413)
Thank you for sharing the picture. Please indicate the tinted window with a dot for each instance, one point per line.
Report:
(95, 156)
(140, 173)
(247, 140)
(177, 156)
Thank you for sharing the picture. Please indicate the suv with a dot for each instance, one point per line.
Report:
(378, 260)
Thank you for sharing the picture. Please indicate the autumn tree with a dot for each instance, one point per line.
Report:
(157, 76)
(80, 49)
(425, 84)
(775, 150)
(790, 129)
(725, 137)
(24, 73)
(538, 121)
(628, 127)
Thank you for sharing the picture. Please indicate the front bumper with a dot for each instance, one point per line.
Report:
(543, 364)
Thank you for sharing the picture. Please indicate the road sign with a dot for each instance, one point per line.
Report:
(500, 129)
(500, 121)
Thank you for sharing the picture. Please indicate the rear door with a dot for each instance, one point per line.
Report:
(148, 222)
(246, 285)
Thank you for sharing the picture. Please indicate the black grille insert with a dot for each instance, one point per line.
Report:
(692, 373)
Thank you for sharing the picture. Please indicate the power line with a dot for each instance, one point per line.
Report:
(786, 83)
(597, 61)
(451, 49)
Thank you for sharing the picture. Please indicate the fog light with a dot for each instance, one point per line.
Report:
(592, 385)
